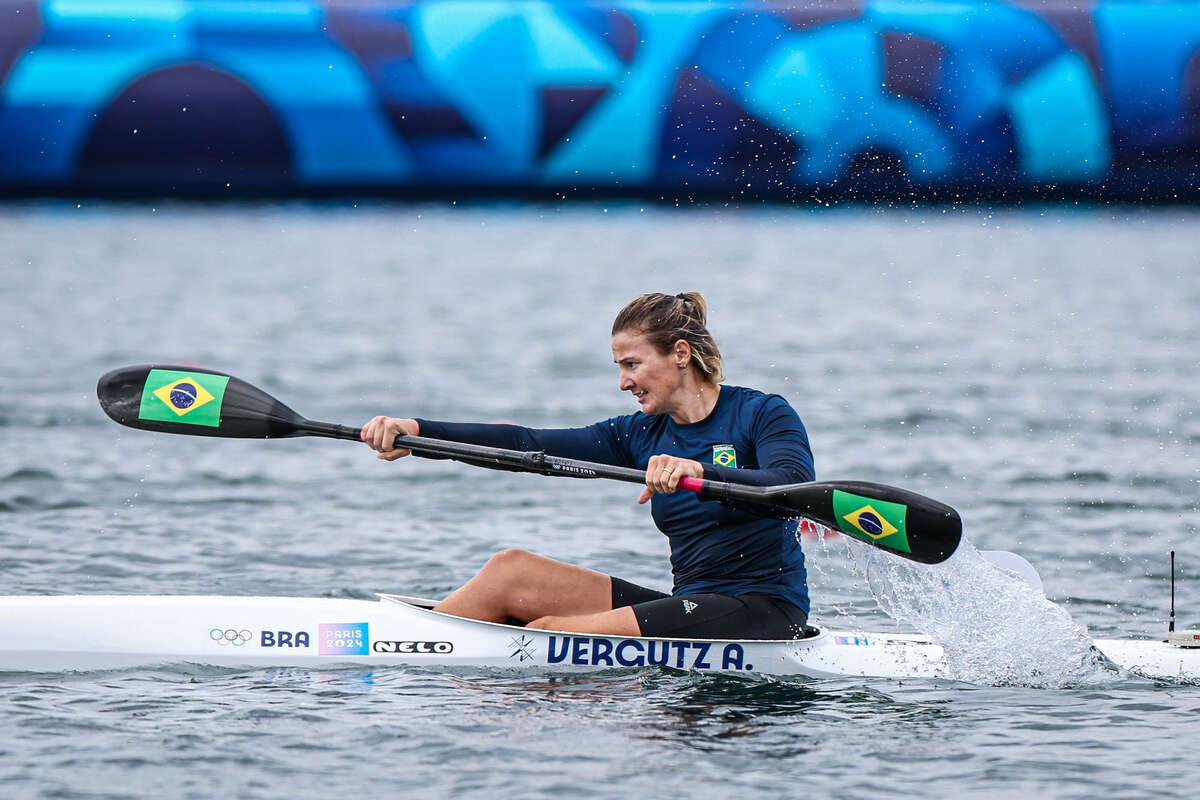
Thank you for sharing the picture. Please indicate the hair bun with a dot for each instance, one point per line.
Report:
(697, 300)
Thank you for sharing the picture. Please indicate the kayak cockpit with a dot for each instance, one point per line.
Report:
(428, 605)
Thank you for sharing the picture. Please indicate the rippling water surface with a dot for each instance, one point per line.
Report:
(1037, 369)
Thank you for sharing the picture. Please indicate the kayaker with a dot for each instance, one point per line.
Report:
(736, 575)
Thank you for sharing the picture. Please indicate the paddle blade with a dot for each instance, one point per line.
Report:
(901, 522)
(195, 401)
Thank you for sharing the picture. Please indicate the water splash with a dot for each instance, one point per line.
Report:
(996, 629)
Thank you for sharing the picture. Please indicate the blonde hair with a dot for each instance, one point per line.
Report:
(664, 319)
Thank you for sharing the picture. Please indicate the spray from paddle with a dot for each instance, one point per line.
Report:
(996, 628)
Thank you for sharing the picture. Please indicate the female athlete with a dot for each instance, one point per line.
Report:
(736, 575)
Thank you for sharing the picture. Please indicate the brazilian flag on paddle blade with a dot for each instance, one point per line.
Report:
(191, 398)
(875, 521)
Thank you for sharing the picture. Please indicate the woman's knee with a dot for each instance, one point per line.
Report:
(510, 561)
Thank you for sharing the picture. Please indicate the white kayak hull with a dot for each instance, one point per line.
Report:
(81, 633)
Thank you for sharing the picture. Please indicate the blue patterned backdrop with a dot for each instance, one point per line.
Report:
(686, 98)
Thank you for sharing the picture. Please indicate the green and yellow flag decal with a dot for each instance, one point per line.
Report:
(725, 455)
(875, 521)
(190, 398)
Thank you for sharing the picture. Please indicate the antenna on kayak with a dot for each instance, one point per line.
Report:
(1171, 623)
(1189, 638)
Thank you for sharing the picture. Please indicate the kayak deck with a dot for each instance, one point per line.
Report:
(100, 632)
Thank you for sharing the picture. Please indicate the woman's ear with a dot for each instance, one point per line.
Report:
(682, 353)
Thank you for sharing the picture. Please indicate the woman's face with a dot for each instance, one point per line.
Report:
(653, 378)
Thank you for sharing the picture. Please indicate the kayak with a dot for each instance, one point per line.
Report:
(98, 632)
(65, 633)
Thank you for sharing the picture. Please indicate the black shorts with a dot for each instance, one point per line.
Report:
(710, 616)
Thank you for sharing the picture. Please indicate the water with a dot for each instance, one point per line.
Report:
(985, 617)
(1034, 368)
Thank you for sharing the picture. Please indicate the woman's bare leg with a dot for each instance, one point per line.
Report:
(617, 622)
(516, 584)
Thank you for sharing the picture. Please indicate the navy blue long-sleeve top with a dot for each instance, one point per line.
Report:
(749, 438)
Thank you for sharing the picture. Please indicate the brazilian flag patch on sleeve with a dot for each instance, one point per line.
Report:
(191, 398)
(724, 455)
(876, 521)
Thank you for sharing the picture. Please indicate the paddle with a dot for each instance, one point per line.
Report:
(202, 402)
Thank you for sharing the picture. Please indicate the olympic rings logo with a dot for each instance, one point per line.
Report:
(229, 636)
